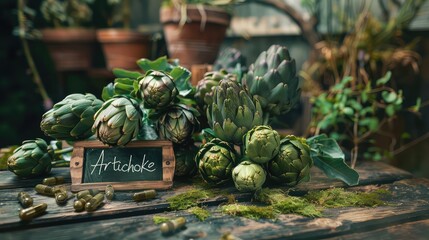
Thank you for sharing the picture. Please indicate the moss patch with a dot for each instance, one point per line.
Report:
(160, 219)
(338, 197)
(201, 213)
(188, 199)
(250, 211)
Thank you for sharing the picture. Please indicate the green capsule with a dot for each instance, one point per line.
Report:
(45, 190)
(27, 214)
(110, 192)
(173, 225)
(61, 196)
(91, 192)
(79, 205)
(144, 195)
(25, 199)
(94, 202)
(51, 181)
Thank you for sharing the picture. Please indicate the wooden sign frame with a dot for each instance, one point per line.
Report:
(77, 166)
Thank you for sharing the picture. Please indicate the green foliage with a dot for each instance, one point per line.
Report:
(188, 199)
(201, 213)
(329, 157)
(68, 13)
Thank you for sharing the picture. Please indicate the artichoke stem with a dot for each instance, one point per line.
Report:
(60, 163)
(63, 151)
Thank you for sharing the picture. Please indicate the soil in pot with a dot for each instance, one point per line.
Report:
(70, 48)
(122, 48)
(194, 42)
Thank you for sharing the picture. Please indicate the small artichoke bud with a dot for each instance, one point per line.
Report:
(261, 144)
(248, 176)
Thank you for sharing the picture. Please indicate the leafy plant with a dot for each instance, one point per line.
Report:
(67, 13)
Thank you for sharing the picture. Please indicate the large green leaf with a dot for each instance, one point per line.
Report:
(327, 156)
(122, 73)
(181, 77)
(159, 64)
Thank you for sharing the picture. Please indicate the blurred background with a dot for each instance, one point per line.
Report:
(391, 35)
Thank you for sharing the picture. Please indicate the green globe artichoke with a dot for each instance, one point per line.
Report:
(118, 121)
(272, 80)
(72, 118)
(157, 90)
(33, 158)
(205, 87)
(261, 144)
(178, 123)
(215, 160)
(233, 112)
(292, 164)
(231, 60)
(248, 176)
(185, 160)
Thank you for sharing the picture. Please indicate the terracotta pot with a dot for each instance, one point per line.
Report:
(70, 49)
(122, 48)
(191, 44)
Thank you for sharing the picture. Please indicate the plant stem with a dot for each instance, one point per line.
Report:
(60, 163)
(47, 102)
(63, 151)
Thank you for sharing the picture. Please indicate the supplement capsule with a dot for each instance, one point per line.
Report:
(173, 225)
(110, 192)
(79, 205)
(25, 199)
(94, 202)
(144, 195)
(61, 196)
(27, 214)
(45, 190)
(51, 181)
(91, 192)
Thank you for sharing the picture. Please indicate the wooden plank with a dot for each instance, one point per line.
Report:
(408, 203)
(124, 206)
(9, 180)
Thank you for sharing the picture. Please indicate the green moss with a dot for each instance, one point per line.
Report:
(201, 213)
(338, 197)
(188, 199)
(160, 219)
(250, 211)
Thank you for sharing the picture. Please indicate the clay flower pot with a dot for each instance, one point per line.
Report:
(122, 48)
(191, 43)
(70, 48)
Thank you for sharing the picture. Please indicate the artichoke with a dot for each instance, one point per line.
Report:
(118, 121)
(248, 176)
(215, 160)
(72, 118)
(292, 164)
(205, 87)
(33, 158)
(261, 144)
(233, 112)
(272, 80)
(178, 123)
(231, 60)
(157, 90)
(185, 160)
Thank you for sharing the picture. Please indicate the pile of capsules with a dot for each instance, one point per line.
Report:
(88, 200)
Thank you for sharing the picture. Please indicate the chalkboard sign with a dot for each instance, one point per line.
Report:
(138, 165)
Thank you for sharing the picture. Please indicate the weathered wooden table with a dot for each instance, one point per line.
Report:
(406, 217)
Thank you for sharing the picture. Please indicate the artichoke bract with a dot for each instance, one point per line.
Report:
(215, 160)
(33, 158)
(231, 60)
(118, 121)
(248, 176)
(157, 90)
(293, 163)
(233, 112)
(261, 144)
(272, 80)
(178, 123)
(205, 87)
(185, 160)
(72, 118)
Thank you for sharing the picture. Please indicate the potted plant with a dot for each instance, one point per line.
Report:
(68, 41)
(122, 47)
(194, 29)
